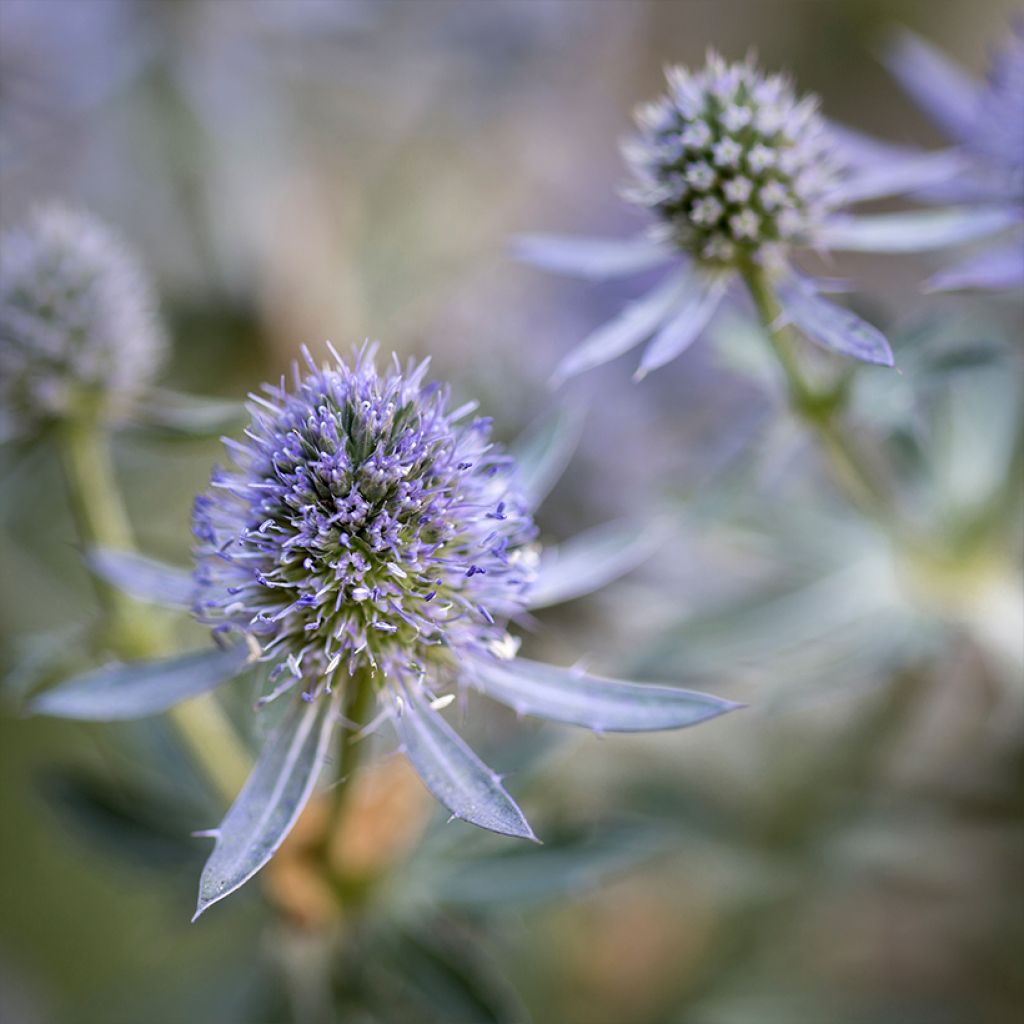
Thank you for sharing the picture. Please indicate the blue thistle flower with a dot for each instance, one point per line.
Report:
(733, 163)
(367, 527)
(986, 121)
(370, 534)
(78, 324)
(739, 171)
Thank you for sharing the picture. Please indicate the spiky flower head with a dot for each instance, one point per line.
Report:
(998, 134)
(78, 325)
(365, 526)
(732, 162)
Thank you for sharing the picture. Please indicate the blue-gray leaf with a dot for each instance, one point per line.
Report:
(271, 800)
(453, 773)
(141, 577)
(577, 698)
(136, 689)
(590, 560)
(544, 451)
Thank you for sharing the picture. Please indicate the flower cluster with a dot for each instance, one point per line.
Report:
(365, 526)
(733, 162)
(77, 321)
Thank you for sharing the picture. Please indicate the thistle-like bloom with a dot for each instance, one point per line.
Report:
(733, 164)
(78, 327)
(738, 172)
(986, 121)
(370, 539)
(366, 528)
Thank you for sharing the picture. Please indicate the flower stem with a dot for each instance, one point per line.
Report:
(818, 409)
(355, 709)
(101, 521)
(132, 629)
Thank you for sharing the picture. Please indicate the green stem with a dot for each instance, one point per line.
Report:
(819, 409)
(132, 629)
(356, 705)
(101, 521)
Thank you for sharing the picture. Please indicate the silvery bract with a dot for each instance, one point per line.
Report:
(367, 531)
(738, 172)
(986, 121)
(78, 330)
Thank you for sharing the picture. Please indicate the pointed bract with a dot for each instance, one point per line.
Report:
(271, 800)
(590, 560)
(544, 451)
(577, 698)
(1000, 268)
(943, 90)
(137, 689)
(686, 325)
(453, 773)
(596, 259)
(917, 231)
(635, 324)
(832, 326)
(143, 578)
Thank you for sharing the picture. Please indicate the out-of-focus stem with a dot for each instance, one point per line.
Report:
(101, 521)
(132, 629)
(819, 410)
(213, 742)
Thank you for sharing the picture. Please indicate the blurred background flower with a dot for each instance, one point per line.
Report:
(846, 850)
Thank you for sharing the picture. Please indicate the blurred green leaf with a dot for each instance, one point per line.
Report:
(444, 974)
(567, 864)
(126, 822)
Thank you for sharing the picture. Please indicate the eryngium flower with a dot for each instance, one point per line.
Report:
(739, 172)
(986, 120)
(371, 540)
(733, 162)
(78, 327)
(366, 527)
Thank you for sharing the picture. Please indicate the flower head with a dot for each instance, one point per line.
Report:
(740, 172)
(366, 525)
(77, 320)
(733, 162)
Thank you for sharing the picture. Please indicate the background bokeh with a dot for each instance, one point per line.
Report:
(846, 850)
